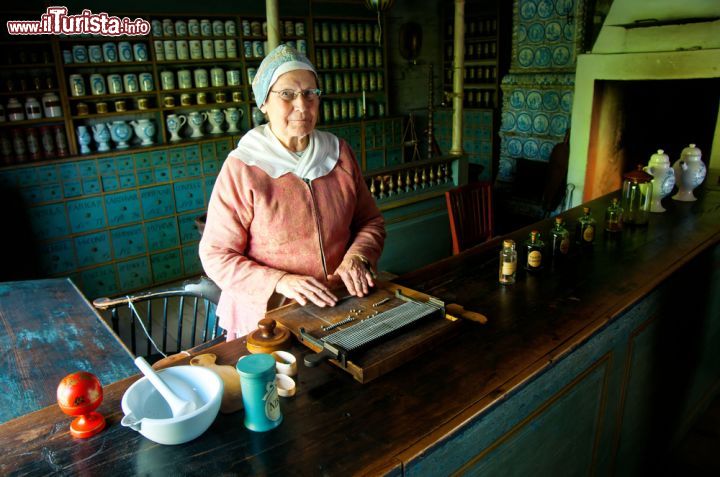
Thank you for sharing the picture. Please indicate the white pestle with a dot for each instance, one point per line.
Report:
(178, 406)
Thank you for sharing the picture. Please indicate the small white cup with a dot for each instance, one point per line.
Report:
(285, 385)
(285, 363)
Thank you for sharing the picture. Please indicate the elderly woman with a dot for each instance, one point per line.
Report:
(290, 216)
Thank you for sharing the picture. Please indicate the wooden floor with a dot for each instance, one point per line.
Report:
(698, 454)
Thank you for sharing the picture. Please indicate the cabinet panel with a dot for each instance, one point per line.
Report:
(93, 248)
(159, 158)
(128, 241)
(106, 166)
(191, 260)
(127, 181)
(72, 188)
(124, 164)
(188, 195)
(57, 257)
(192, 154)
(145, 178)
(91, 186)
(122, 208)
(110, 183)
(98, 282)
(162, 234)
(166, 266)
(49, 221)
(157, 201)
(32, 195)
(69, 171)
(88, 169)
(46, 175)
(188, 230)
(142, 160)
(134, 274)
(86, 214)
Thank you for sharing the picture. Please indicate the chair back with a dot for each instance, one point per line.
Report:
(177, 317)
(470, 210)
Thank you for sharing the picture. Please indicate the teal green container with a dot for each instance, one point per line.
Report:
(260, 397)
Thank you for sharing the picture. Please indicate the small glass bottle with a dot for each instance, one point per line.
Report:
(534, 249)
(508, 263)
(585, 230)
(560, 239)
(614, 217)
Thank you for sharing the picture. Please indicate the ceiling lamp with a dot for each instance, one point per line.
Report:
(379, 6)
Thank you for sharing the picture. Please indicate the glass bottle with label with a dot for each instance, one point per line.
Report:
(585, 230)
(534, 249)
(560, 239)
(508, 263)
(614, 217)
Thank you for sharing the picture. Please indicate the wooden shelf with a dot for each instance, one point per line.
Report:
(228, 104)
(115, 113)
(104, 64)
(112, 97)
(201, 61)
(31, 122)
(27, 66)
(33, 92)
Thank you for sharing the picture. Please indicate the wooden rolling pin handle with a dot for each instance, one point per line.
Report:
(458, 310)
(267, 328)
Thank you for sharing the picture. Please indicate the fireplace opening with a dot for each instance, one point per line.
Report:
(631, 120)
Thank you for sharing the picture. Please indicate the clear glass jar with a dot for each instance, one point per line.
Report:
(508, 263)
(636, 196)
(614, 217)
(585, 230)
(534, 250)
(560, 239)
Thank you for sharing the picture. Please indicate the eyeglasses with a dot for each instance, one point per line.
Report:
(290, 95)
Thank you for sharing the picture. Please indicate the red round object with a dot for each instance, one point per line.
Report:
(79, 394)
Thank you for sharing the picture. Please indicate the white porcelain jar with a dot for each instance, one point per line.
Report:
(32, 108)
(663, 179)
(689, 173)
(15, 110)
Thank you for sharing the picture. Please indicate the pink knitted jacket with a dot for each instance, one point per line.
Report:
(259, 228)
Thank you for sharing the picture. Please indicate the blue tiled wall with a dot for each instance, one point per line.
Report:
(537, 94)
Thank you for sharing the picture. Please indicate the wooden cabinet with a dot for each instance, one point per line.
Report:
(484, 65)
(350, 57)
(32, 116)
(197, 67)
(122, 219)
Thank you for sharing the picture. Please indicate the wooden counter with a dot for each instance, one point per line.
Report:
(569, 377)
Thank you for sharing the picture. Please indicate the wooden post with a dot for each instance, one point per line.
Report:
(273, 24)
(458, 83)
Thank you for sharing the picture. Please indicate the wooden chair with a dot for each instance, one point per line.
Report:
(187, 309)
(470, 209)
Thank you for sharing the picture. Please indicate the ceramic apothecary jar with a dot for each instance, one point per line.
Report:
(663, 179)
(689, 173)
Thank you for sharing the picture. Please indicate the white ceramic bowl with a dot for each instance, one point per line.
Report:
(147, 412)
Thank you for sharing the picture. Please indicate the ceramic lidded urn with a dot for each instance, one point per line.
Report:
(174, 123)
(101, 134)
(196, 120)
(84, 139)
(216, 118)
(689, 173)
(145, 130)
(121, 133)
(663, 179)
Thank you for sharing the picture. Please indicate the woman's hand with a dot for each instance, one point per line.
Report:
(302, 288)
(356, 274)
